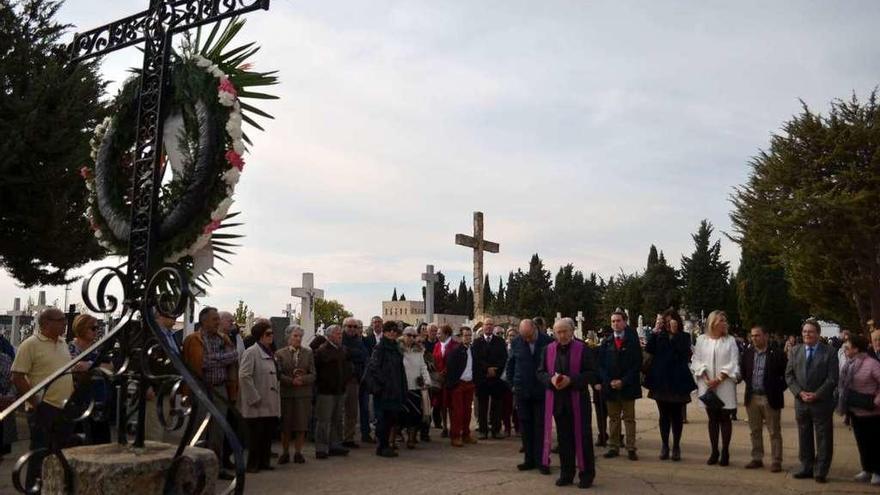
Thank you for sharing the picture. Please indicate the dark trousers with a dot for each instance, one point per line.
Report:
(531, 425)
(232, 418)
(815, 436)
(491, 402)
(385, 422)
(720, 423)
(260, 432)
(601, 417)
(49, 430)
(565, 436)
(438, 412)
(670, 419)
(364, 406)
(867, 432)
(508, 412)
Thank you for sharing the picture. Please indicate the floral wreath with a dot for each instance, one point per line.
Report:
(204, 146)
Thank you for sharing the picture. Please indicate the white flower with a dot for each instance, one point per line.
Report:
(222, 209)
(231, 177)
(202, 62)
(225, 99)
(89, 212)
(89, 186)
(98, 233)
(94, 155)
(238, 146)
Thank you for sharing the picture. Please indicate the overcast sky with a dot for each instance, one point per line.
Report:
(584, 130)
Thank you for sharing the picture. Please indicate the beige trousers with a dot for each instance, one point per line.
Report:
(616, 409)
(760, 413)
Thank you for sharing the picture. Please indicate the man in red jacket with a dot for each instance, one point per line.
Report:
(441, 351)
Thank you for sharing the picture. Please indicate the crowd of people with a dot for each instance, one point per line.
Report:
(394, 383)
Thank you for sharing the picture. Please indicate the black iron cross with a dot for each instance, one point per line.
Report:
(154, 27)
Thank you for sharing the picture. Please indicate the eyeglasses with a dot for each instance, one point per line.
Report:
(268, 333)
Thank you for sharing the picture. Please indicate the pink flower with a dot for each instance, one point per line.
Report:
(247, 66)
(85, 172)
(93, 224)
(235, 160)
(211, 227)
(226, 86)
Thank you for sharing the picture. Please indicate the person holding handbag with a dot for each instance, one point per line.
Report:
(859, 398)
(715, 365)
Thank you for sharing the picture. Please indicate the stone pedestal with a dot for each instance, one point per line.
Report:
(112, 469)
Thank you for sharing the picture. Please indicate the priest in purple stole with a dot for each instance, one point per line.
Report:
(568, 370)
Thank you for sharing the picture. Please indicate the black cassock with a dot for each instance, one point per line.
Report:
(570, 417)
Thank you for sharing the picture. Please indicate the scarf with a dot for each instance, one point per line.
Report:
(268, 350)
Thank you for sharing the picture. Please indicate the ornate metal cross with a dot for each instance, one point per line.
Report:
(478, 244)
(155, 28)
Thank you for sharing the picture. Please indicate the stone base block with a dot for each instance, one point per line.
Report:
(113, 469)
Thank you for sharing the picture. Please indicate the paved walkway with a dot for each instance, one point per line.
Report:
(490, 468)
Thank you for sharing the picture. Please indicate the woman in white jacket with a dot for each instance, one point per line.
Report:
(417, 380)
(715, 365)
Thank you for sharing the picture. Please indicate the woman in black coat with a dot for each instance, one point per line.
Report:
(385, 378)
(669, 380)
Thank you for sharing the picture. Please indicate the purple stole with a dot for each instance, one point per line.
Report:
(574, 368)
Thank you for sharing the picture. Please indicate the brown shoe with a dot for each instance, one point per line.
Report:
(470, 440)
(456, 442)
(755, 464)
(776, 467)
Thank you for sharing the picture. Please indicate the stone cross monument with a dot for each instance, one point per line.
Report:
(429, 277)
(308, 294)
(580, 322)
(478, 244)
(16, 313)
(290, 313)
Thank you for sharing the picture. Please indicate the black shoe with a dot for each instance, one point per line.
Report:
(584, 482)
(564, 481)
(611, 454)
(544, 469)
(821, 479)
(298, 458)
(225, 475)
(444, 433)
(321, 455)
(267, 468)
(724, 460)
(664, 453)
(497, 436)
(386, 452)
(424, 437)
(631, 455)
(351, 445)
(284, 459)
(525, 466)
(676, 454)
(484, 436)
(713, 459)
(802, 475)
(335, 451)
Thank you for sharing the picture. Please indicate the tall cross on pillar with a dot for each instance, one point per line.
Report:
(478, 244)
(308, 294)
(16, 313)
(580, 323)
(429, 277)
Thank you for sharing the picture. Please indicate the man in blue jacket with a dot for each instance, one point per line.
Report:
(521, 372)
(620, 365)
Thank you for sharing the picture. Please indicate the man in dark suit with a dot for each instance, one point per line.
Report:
(811, 375)
(490, 353)
(521, 372)
(620, 365)
(374, 336)
(763, 370)
(462, 377)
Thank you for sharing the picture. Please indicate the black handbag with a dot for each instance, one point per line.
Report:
(858, 400)
(711, 400)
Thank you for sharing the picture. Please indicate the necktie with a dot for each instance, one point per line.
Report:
(809, 357)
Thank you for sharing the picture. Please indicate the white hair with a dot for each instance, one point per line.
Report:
(293, 328)
(568, 322)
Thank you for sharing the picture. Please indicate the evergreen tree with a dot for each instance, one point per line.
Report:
(444, 300)
(536, 293)
(488, 296)
(465, 302)
(48, 108)
(514, 280)
(469, 303)
(500, 306)
(764, 295)
(567, 290)
(624, 292)
(703, 273)
(402, 297)
(731, 305)
(660, 286)
(394, 295)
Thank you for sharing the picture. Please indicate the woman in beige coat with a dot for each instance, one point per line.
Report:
(297, 375)
(260, 400)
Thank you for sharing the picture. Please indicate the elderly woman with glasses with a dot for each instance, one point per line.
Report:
(97, 427)
(260, 403)
(417, 382)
